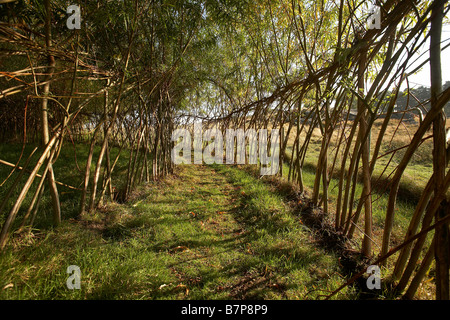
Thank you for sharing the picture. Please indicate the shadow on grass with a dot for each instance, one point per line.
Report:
(269, 264)
(254, 257)
(326, 236)
(163, 252)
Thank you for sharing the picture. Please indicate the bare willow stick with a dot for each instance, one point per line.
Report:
(389, 221)
(44, 111)
(417, 250)
(16, 182)
(6, 163)
(390, 253)
(108, 130)
(442, 247)
(23, 145)
(421, 235)
(108, 175)
(88, 169)
(413, 227)
(38, 194)
(12, 214)
(424, 266)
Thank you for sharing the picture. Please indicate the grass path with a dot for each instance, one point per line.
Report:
(210, 232)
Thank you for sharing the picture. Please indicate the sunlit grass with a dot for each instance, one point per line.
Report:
(208, 233)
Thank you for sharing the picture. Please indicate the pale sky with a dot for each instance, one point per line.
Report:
(422, 78)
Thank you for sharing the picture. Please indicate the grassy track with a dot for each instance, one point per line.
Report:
(206, 233)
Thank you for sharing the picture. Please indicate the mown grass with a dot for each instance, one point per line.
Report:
(207, 233)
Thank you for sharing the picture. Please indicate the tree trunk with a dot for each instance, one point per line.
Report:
(365, 148)
(88, 171)
(44, 115)
(439, 153)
